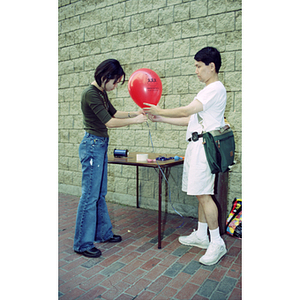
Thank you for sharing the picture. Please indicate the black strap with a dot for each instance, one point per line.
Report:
(195, 136)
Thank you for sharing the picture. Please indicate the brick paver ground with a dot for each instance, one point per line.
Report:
(135, 268)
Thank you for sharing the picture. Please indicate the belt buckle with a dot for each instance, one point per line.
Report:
(195, 136)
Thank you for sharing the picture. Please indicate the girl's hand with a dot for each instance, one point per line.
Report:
(141, 118)
(139, 112)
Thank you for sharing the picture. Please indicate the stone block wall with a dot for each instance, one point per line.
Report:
(162, 35)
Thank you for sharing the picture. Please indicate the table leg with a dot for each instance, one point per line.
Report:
(137, 187)
(221, 184)
(159, 208)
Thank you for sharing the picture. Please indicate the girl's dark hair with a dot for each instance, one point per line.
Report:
(208, 55)
(107, 70)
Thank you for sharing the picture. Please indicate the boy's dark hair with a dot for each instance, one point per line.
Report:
(208, 55)
(109, 69)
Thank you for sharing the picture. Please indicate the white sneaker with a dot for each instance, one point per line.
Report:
(193, 240)
(213, 254)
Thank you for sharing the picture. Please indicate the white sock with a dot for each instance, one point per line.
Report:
(215, 236)
(202, 230)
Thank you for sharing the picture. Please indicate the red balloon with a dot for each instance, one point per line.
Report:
(145, 86)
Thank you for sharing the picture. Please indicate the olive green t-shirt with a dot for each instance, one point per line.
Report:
(97, 110)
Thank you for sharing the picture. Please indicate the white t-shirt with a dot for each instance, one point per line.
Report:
(213, 98)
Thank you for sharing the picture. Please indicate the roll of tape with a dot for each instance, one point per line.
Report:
(141, 157)
(120, 153)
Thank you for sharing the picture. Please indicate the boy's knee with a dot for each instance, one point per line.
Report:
(204, 198)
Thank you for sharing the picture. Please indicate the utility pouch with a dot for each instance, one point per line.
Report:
(219, 148)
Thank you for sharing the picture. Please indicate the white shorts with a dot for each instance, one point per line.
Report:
(197, 178)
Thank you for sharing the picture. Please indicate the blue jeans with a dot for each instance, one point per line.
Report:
(92, 222)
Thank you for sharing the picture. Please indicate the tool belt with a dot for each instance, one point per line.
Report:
(219, 148)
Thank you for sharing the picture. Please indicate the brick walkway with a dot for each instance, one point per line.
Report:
(135, 268)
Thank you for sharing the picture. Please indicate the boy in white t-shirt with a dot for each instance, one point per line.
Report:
(204, 113)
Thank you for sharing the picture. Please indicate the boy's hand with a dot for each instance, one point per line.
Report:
(153, 109)
(154, 118)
